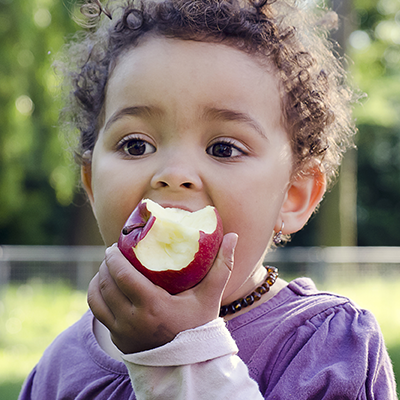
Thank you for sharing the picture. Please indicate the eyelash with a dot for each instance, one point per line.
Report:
(122, 146)
(228, 143)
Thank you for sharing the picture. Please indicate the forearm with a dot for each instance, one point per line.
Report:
(198, 364)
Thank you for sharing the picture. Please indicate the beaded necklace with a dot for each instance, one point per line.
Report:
(237, 305)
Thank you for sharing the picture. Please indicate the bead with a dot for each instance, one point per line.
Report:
(266, 287)
(235, 306)
(271, 280)
(244, 303)
(249, 299)
(223, 311)
(256, 296)
(261, 290)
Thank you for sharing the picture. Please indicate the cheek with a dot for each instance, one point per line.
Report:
(254, 228)
(252, 214)
(108, 214)
(114, 200)
(254, 206)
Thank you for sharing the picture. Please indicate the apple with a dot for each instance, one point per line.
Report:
(174, 248)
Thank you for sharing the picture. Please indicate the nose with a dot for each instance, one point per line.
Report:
(177, 174)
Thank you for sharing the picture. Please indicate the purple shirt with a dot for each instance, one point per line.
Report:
(301, 344)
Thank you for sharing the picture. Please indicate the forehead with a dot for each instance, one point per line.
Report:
(154, 48)
(162, 68)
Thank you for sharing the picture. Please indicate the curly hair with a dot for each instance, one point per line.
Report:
(316, 98)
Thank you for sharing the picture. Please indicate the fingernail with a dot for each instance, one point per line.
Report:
(234, 239)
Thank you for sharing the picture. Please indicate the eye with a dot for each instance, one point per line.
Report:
(133, 146)
(224, 149)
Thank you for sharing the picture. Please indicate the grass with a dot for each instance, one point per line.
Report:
(32, 315)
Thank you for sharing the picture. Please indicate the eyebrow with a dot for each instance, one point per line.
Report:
(214, 113)
(137, 111)
(223, 114)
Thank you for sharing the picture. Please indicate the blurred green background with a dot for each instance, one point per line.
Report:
(41, 202)
(40, 199)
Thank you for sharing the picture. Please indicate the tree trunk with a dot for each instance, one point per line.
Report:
(338, 216)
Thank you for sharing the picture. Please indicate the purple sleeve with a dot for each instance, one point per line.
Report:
(26, 392)
(75, 367)
(339, 354)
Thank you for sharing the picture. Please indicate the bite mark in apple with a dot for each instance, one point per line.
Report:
(172, 247)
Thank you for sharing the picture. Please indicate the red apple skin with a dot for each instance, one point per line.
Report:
(172, 281)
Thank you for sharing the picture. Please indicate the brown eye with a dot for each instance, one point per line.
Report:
(137, 147)
(224, 150)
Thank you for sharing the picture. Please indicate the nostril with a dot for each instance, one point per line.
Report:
(187, 185)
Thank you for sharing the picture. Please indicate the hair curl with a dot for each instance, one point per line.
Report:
(315, 96)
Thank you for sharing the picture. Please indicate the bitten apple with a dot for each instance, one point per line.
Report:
(174, 248)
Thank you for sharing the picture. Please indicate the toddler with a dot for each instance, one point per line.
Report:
(238, 104)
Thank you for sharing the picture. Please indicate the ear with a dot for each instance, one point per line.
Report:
(303, 196)
(86, 175)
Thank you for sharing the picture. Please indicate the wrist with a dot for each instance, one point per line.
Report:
(206, 342)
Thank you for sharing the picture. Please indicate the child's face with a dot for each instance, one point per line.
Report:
(189, 124)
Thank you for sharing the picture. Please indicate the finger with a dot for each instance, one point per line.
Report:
(215, 281)
(97, 304)
(134, 285)
(116, 301)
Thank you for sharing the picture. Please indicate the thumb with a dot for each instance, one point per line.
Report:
(215, 281)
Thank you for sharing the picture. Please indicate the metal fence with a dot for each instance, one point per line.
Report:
(338, 263)
(77, 265)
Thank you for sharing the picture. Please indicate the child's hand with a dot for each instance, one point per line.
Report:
(141, 315)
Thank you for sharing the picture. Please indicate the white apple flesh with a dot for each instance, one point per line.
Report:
(174, 248)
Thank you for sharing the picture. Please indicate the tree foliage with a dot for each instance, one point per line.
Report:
(38, 180)
(375, 49)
